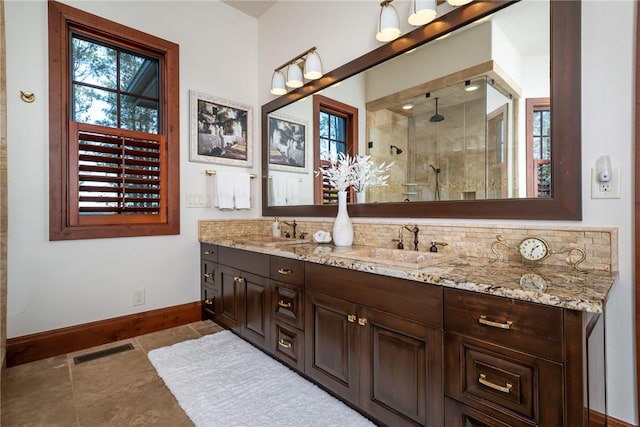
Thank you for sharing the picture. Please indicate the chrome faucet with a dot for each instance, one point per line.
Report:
(292, 225)
(415, 230)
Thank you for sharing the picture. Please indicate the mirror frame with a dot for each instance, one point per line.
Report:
(566, 202)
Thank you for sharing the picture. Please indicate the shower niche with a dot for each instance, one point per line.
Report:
(457, 142)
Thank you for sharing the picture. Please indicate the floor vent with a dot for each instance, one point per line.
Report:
(102, 353)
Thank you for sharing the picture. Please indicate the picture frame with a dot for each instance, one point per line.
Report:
(288, 144)
(220, 131)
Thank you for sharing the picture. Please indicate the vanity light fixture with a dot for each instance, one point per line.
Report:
(422, 12)
(388, 22)
(458, 2)
(470, 87)
(294, 79)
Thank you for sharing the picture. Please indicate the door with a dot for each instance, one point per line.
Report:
(229, 302)
(256, 317)
(331, 344)
(401, 369)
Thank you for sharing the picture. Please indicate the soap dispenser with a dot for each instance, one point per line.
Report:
(275, 228)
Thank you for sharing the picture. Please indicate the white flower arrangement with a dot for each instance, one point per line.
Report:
(357, 171)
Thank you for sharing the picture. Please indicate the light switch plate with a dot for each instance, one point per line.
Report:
(198, 201)
(605, 190)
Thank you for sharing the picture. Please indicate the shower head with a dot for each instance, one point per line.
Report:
(436, 117)
(398, 150)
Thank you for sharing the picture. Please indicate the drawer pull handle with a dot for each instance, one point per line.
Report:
(281, 303)
(362, 321)
(484, 321)
(285, 271)
(351, 318)
(285, 344)
(238, 279)
(208, 302)
(484, 381)
(208, 275)
(208, 252)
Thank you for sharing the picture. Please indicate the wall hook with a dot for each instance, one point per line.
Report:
(27, 97)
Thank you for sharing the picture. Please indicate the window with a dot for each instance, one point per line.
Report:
(335, 127)
(114, 129)
(538, 147)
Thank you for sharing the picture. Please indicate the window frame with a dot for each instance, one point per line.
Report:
(64, 224)
(532, 105)
(350, 113)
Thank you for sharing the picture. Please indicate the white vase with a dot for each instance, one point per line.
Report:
(342, 227)
(361, 196)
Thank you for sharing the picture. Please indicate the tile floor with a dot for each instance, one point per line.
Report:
(122, 389)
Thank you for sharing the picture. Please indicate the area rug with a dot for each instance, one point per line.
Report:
(221, 380)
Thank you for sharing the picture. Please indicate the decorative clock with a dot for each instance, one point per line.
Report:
(534, 249)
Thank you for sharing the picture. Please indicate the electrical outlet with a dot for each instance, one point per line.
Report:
(605, 190)
(138, 297)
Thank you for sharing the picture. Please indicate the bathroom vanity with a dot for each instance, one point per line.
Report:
(451, 341)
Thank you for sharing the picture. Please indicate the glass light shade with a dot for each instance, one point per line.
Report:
(294, 76)
(277, 84)
(312, 66)
(422, 12)
(389, 24)
(458, 2)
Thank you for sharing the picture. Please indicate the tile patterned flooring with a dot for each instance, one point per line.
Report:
(122, 389)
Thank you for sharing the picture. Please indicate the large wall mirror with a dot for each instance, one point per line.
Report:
(479, 111)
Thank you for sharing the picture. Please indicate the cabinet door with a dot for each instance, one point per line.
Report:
(229, 301)
(401, 369)
(331, 344)
(458, 415)
(257, 310)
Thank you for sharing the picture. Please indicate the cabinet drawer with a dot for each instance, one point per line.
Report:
(500, 381)
(252, 262)
(528, 327)
(209, 252)
(208, 271)
(288, 304)
(459, 415)
(287, 270)
(289, 345)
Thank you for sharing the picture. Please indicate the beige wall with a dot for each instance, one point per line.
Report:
(3, 199)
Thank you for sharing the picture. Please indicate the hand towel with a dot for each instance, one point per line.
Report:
(242, 190)
(223, 189)
(278, 190)
(293, 192)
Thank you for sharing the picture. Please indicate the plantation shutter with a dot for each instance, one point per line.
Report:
(118, 175)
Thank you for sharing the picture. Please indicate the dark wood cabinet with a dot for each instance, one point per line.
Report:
(514, 363)
(387, 365)
(407, 353)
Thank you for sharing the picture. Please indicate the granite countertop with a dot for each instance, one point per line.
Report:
(549, 285)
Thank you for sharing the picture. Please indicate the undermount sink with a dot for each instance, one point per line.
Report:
(269, 241)
(396, 257)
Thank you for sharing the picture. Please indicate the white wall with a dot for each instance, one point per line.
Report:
(58, 284)
(607, 128)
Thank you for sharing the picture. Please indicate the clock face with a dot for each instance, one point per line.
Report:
(533, 249)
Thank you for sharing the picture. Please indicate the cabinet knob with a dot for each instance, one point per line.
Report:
(504, 389)
(362, 321)
(483, 320)
(285, 271)
(281, 303)
(208, 302)
(238, 279)
(208, 252)
(208, 275)
(351, 318)
(284, 343)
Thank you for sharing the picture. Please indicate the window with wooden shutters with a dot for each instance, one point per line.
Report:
(114, 155)
(538, 147)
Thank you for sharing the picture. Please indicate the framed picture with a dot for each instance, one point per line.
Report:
(220, 131)
(287, 144)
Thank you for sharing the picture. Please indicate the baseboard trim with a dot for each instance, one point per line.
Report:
(29, 348)
(612, 422)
